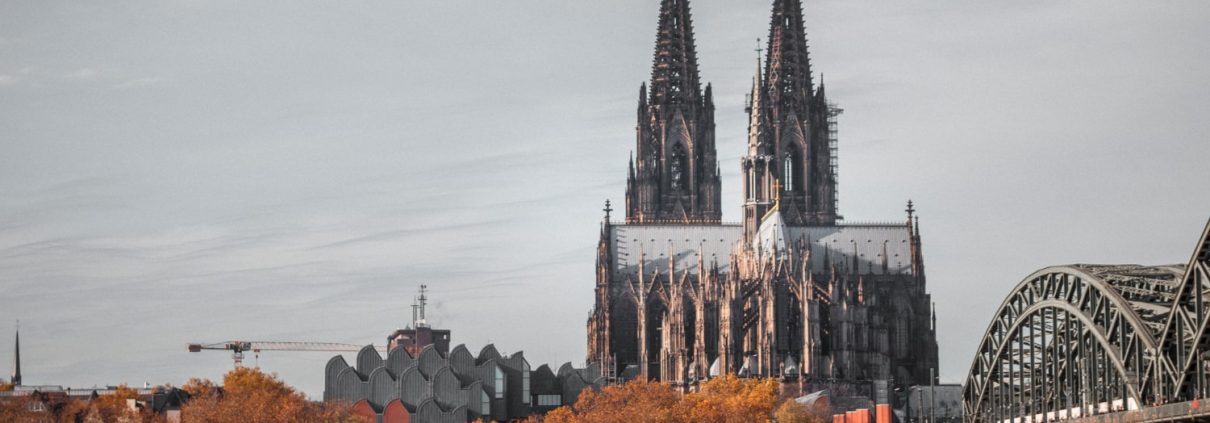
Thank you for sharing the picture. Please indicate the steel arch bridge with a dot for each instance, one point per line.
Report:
(1080, 340)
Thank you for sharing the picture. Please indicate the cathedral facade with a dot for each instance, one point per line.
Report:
(790, 292)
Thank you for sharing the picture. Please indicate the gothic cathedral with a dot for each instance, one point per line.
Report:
(791, 292)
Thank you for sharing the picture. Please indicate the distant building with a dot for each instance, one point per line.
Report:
(50, 399)
(935, 404)
(414, 340)
(421, 379)
(164, 400)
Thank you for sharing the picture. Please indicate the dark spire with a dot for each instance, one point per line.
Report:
(631, 175)
(674, 76)
(16, 379)
(788, 70)
(674, 178)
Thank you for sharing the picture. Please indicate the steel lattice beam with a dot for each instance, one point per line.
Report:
(1079, 340)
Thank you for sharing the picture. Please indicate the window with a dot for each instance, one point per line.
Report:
(550, 400)
(499, 383)
(486, 407)
(525, 382)
(789, 171)
(793, 168)
(677, 168)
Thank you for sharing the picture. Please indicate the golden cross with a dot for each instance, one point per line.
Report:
(777, 191)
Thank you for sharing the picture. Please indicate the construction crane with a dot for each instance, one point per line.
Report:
(238, 348)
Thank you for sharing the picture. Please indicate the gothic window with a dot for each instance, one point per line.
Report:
(678, 168)
(792, 171)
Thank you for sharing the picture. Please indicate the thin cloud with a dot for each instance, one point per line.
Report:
(140, 82)
(84, 74)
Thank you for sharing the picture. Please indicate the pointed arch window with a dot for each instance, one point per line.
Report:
(792, 168)
(678, 168)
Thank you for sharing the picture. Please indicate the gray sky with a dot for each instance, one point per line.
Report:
(185, 170)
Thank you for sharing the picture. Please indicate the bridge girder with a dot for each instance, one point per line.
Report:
(1091, 339)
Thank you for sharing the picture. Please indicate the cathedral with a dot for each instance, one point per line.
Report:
(792, 291)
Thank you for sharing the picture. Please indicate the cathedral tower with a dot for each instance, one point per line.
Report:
(790, 156)
(674, 174)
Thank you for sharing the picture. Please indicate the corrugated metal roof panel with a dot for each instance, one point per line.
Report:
(841, 244)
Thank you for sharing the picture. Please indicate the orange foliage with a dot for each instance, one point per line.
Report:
(14, 410)
(248, 395)
(791, 411)
(731, 399)
(726, 399)
(112, 406)
(635, 401)
(108, 408)
(200, 388)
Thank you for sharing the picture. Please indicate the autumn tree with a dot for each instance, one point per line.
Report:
(113, 406)
(725, 399)
(249, 395)
(731, 399)
(634, 401)
(15, 410)
(200, 388)
(792, 411)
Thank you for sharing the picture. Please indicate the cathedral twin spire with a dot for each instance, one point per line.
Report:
(674, 176)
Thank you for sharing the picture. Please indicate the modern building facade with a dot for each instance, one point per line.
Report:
(458, 387)
(791, 291)
(421, 379)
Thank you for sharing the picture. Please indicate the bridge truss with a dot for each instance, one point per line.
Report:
(1073, 341)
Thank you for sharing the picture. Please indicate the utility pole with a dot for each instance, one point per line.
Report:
(932, 395)
(920, 409)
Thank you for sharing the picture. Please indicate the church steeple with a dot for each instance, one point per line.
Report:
(674, 76)
(675, 178)
(16, 377)
(789, 134)
(788, 68)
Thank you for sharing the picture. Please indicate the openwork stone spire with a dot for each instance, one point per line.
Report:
(675, 177)
(791, 131)
(674, 76)
(788, 68)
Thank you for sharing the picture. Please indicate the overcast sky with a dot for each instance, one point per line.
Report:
(187, 170)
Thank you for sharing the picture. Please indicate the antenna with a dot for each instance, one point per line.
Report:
(415, 307)
(422, 299)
